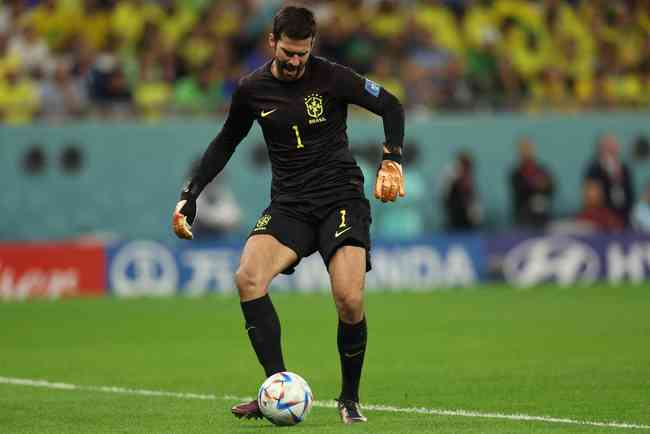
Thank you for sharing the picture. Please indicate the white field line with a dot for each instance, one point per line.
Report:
(329, 404)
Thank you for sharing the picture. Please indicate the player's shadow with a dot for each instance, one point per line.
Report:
(255, 426)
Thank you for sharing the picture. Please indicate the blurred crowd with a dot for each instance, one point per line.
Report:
(63, 59)
(609, 201)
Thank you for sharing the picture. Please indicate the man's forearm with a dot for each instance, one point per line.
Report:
(393, 117)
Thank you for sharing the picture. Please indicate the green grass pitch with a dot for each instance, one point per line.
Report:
(580, 353)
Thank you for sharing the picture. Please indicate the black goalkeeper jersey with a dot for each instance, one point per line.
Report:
(304, 126)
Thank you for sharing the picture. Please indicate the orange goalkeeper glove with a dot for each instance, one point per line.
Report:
(390, 181)
(183, 217)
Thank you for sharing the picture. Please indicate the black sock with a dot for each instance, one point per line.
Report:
(351, 341)
(263, 327)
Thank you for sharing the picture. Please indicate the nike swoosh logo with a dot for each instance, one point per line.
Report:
(353, 354)
(265, 114)
(338, 234)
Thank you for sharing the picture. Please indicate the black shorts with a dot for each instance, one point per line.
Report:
(323, 229)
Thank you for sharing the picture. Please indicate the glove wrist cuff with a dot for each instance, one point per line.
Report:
(392, 157)
(187, 195)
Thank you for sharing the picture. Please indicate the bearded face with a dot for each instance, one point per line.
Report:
(290, 56)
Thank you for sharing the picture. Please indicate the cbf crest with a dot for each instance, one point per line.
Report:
(314, 105)
(262, 222)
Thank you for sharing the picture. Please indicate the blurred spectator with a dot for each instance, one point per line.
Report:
(572, 45)
(614, 177)
(128, 19)
(200, 94)
(19, 96)
(482, 37)
(441, 23)
(641, 212)
(153, 89)
(454, 90)
(175, 20)
(109, 87)
(595, 213)
(382, 73)
(7, 59)
(32, 50)
(10, 13)
(550, 90)
(532, 188)
(528, 48)
(460, 198)
(81, 59)
(258, 55)
(480, 23)
(424, 70)
(197, 49)
(346, 36)
(218, 213)
(644, 70)
(56, 21)
(96, 19)
(224, 18)
(389, 20)
(63, 96)
(217, 210)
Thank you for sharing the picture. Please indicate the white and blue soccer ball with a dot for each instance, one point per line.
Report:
(285, 398)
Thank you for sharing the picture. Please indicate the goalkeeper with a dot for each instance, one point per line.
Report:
(317, 200)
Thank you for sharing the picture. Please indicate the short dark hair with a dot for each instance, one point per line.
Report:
(294, 22)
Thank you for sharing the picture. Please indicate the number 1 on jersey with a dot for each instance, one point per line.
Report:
(295, 129)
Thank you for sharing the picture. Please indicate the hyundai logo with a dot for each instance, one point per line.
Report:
(559, 260)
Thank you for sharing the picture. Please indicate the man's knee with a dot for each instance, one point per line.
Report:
(250, 283)
(350, 305)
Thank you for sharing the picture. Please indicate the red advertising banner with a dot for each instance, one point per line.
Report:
(51, 270)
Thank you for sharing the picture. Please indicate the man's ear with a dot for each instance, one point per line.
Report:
(272, 41)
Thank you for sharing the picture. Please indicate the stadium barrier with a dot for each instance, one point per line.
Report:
(151, 268)
(142, 168)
